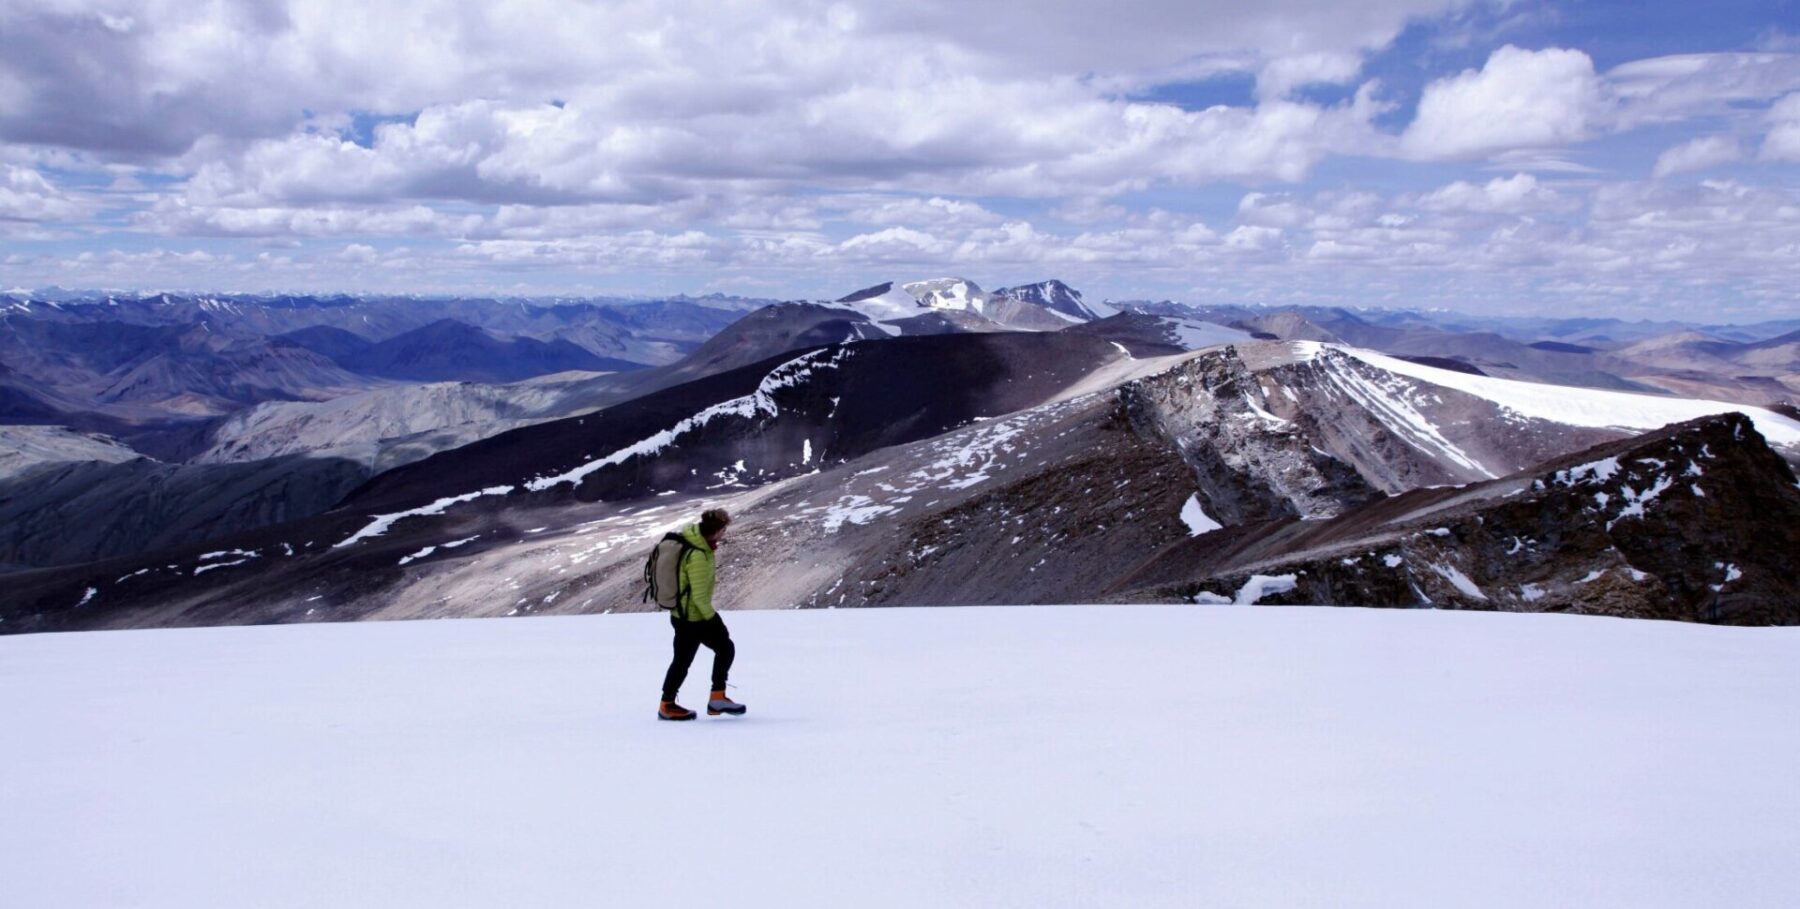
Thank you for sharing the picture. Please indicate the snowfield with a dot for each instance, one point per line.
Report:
(1576, 406)
(1029, 756)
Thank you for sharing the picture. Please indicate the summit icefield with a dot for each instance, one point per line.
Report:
(1024, 756)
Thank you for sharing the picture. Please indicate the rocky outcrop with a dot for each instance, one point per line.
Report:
(1401, 433)
(1250, 464)
(1081, 496)
(757, 424)
(1059, 298)
(1696, 522)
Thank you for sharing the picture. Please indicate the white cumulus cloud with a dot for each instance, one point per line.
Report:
(1282, 75)
(1514, 195)
(1697, 154)
(935, 210)
(25, 195)
(1783, 141)
(1519, 99)
(894, 244)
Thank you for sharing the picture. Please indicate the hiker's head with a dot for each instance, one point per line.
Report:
(713, 522)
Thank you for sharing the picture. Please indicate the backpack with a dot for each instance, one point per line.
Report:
(662, 579)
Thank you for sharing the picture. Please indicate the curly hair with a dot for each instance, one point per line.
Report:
(712, 521)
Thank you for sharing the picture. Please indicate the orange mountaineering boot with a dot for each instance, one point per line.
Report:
(669, 710)
(719, 703)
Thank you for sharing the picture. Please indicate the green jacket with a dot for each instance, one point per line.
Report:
(697, 572)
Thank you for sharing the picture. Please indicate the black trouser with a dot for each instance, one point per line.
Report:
(688, 638)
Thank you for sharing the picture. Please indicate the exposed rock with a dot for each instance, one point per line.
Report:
(1058, 298)
(1696, 522)
(1020, 468)
(1250, 464)
(92, 510)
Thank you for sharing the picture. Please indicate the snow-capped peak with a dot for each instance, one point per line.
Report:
(882, 304)
(949, 293)
(893, 301)
(1059, 298)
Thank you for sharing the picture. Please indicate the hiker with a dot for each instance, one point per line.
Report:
(680, 574)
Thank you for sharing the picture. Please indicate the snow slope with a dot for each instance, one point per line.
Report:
(1051, 756)
(949, 293)
(1581, 406)
(884, 309)
(905, 301)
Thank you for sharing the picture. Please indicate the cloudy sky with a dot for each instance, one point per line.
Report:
(1527, 157)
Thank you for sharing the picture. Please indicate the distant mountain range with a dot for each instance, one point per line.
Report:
(1753, 364)
(394, 411)
(134, 364)
(943, 305)
(1600, 332)
(1034, 467)
(920, 441)
(448, 350)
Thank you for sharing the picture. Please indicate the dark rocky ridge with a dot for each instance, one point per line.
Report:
(1088, 494)
(1696, 522)
(873, 395)
(452, 350)
(1066, 502)
(1250, 464)
(91, 510)
(69, 516)
(1080, 526)
(855, 399)
(1328, 431)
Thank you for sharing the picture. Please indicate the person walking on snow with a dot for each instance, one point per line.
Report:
(686, 589)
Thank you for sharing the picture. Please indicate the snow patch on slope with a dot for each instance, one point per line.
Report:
(1584, 406)
(854, 509)
(968, 459)
(1459, 580)
(1262, 585)
(1594, 471)
(382, 522)
(760, 402)
(1196, 518)
(1391, 400)
(427, 551)
(884, 309)
(1636, 500)
(949, 293)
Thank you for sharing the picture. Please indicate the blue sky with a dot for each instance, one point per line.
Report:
(1512, 157)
